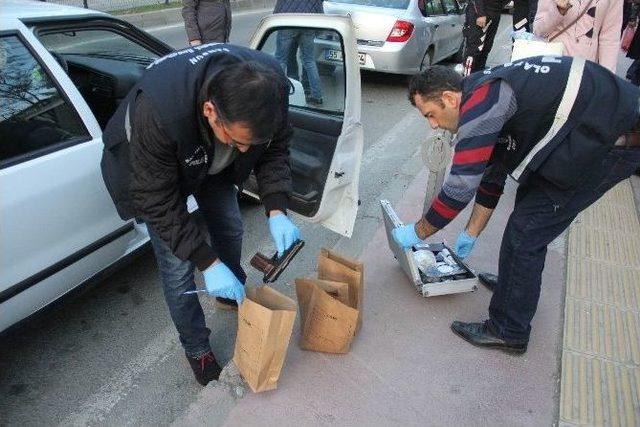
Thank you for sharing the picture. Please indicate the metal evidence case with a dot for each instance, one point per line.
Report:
(431, 282)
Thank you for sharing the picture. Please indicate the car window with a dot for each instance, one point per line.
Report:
(97, 43)
(432, 7)
(450, 7)
(313, 61)
(34, 116)
(389, 4)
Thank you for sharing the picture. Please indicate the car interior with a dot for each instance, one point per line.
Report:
(99, 58)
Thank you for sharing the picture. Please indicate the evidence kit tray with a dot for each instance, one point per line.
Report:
(449, 274)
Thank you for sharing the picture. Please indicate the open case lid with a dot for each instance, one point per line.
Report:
(404, 256)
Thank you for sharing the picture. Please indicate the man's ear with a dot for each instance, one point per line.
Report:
(451, 99)
(209, 110)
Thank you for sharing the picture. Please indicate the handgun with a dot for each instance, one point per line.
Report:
(273, 266)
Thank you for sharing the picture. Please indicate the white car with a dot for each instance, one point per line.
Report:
(64, 71)
(402, 36)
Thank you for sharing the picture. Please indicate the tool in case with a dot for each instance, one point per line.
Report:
(272, 267)
(433, 268)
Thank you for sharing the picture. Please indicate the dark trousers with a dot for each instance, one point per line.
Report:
(476, 45)
(541, 213)
(525, 9)
(218, 207)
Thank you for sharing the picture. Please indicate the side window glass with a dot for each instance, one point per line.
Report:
(314, 62)
(450, 7)
(434, 7)
(34, 115)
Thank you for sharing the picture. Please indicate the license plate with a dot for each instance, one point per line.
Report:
(333, 55)
(336, 55)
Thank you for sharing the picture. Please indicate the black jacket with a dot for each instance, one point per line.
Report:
(151, 177)
(487, 7)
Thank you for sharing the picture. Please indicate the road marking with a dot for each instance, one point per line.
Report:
(100, 404)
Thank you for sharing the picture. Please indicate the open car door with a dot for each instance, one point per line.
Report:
(320, 57)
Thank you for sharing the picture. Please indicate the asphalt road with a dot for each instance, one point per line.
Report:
(111, 356)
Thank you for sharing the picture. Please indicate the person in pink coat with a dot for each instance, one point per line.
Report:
(596, 35)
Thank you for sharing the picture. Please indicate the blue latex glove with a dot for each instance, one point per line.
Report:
(406, 236)
(464, 244)
(221, 282)
(284, 232)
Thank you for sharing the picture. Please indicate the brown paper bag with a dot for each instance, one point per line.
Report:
(327, 323)
(332, 266)
(265, 323)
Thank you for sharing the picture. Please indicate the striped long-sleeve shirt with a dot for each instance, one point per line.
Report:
(482, 116)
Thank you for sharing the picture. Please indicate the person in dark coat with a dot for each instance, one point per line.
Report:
(480, 27)
(207, 21)
(633, 73)
(198, 122)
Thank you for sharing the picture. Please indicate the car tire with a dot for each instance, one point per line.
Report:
(458, 57)
(427, 60)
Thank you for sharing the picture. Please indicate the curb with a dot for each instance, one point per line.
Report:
(159, 18)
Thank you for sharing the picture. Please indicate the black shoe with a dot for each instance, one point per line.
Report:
(479, 334)
(205, 368)
(490, 281)
(226, 304)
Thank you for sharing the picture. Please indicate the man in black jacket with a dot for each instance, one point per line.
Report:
(572, 133)
(480, 27)
(198, 122)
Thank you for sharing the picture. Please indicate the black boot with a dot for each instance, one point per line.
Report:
(490, 281)
(480, 335)
(205, 368)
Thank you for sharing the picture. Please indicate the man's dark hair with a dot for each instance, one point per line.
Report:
(251, 93)
(431, 82)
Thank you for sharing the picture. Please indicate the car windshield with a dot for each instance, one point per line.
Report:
(389, 4)
(97, 43)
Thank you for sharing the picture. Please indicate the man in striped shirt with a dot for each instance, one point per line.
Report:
(565, 129)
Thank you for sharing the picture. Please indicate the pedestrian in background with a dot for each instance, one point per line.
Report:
(207, 21)
(290, 41)
(589, 29)
(480, 27)
(633, 73)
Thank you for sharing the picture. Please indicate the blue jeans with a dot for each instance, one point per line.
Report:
(541, 213)
(286, 48)
(218, 207)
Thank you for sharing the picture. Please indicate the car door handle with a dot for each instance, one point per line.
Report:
(436, 26)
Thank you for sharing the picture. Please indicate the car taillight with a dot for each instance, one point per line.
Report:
(401, 31)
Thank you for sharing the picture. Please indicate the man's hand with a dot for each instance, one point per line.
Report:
(481, 21)
(563, 6)
(406, 236)
(195, 42)
(464, 244)
(221, 282)
(284, 232)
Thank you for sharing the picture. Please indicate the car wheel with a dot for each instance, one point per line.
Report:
(458, 57)
(427, 59)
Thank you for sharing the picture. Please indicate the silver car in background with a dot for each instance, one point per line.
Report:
(401, 36)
